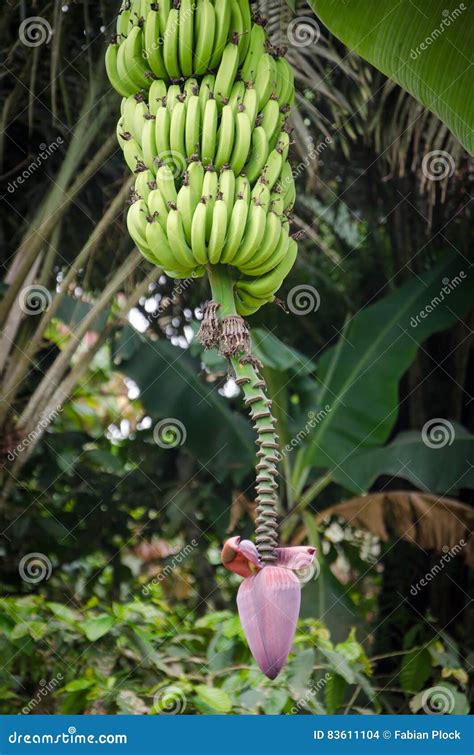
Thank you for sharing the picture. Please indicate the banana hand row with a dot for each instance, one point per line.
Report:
(213, 218)
(180, 123)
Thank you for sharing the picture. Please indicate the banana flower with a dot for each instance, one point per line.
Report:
(268, 599)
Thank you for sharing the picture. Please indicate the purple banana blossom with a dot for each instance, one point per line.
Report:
(268, 599)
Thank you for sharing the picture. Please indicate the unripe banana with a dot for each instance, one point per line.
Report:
(288, 186)
(157, 242)
(178, 135)
(244, 43)
(218, 231)
(186, 37)
(157, 91)
(162, 132)
(193, 126)
(123, 86)
(149, 143)
(133, 155)
(173, 96)
(124, 23)
(198, 233)
(136, 224)
(258, 155)
(227, 183)
(237, 95)
(170, 45)
(259, 263)
(225, 136)
(206, 91)
(144, 184)
(158, 207)
(286, 95)
(210, 188)
(223, 14)
(164, 7)
(247, 305)
(266, 79)
(226, 74)
(205, 27)
(270, 118)
(256, 49)
(132, 63)
(209, 132)
(243, 137)
(165, 183)
(253, 236)
(154, 45)
(251, 103)
(236, 230)
(177, 240)
(140, 114)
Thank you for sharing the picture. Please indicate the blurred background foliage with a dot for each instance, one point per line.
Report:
(129, 609)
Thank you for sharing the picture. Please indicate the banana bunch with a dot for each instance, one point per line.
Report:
(173, 40)
(208, 143)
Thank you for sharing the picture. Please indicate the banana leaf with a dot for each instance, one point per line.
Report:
(360, 375)
(426, 47)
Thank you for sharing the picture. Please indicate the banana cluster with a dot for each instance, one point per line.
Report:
(210, 150)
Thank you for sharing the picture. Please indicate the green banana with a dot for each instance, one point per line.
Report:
(265, 79)
(198, 233)
(225, 137)
(253, 236)
(124, 87)
(149, 143)
(218, 231)
(258, 154)
(205, 27)
(256, 49)
(226, 74)
(193, 126)
(170, 45)
(236, 230)
(227, 183)
(259, 263)
(133, 154)
(177, 136)
(157, 91)
(223, 14)
(210, 188)
(186, 37)
(209, 132)
(177, 239)
(243, 138)
(154, 45)
(165, 183)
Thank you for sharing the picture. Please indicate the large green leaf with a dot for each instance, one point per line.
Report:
(426, 47)
(170, 388)
(439, 461)
(360, 375)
